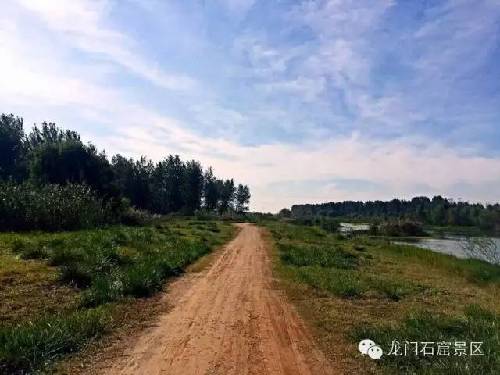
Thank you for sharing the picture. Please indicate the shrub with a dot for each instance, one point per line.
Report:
(76, 274)
(104, 289)
(401, 229)
(51, 207)
(61, 256)
(329, 225)
(135, 217)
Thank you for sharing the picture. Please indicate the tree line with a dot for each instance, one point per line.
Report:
(49, 155)
(436, 211)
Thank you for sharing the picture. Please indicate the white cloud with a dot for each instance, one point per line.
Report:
(82, 23)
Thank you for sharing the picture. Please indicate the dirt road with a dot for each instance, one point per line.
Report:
(230, 320)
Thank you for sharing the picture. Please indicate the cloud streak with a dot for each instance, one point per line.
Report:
(81, 23)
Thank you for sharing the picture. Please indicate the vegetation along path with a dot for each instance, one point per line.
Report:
(230, 320)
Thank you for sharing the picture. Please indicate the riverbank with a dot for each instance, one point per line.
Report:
(351, 289)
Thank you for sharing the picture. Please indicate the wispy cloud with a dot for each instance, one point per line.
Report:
(81, 23)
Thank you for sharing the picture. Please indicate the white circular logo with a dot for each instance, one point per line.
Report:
(375, 352)
(368, 347)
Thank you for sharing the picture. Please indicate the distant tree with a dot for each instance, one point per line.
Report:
(134, 180)
(192, 188)
(285, 212)
(226, 192)
(435, 211)
(49, 133)
(68, 160)
(49, 155)
(167, 184)
(242, 198)
(210, 191)
(11, 147)
(124, 175)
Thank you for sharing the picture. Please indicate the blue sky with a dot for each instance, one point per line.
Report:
(305, 101)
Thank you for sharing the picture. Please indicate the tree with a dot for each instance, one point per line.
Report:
(226, 192)
(192, 188)
(134, 180)
(284, 212)
(242, 198)
(11, 147)
(49, 133)
(210, 191)
(51, 155)
(167, 184)
(72, 162)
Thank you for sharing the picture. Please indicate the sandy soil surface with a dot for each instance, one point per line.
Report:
(227, 320)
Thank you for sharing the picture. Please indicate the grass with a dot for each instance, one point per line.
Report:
(66, 287)
(477, 271)
(333, 263)
(28, 346)
(362, 287)
(476, 325)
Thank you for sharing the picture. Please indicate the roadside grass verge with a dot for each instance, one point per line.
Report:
(351, 288)
(476, 325)
(335, 264)
(26, 347)
(82, 277)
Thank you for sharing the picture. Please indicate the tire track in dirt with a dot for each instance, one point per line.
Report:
(230, 320)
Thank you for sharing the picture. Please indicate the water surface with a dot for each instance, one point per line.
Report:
(452, 245)
(354, 227)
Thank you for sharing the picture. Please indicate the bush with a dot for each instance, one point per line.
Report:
(135, 217)
(51, 207)
(401, 229)
(329, 225)
(76, 274)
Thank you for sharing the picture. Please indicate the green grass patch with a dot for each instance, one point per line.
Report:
(476, 325)
(31, 346)
(321, 255)
(337, 281)
(334, 264)
(475, 270)
(98, 270)
(356, 287)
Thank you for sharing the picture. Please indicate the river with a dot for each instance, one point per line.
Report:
(453, 245)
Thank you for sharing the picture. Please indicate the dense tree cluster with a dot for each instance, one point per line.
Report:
(48, 155)
(435, 211)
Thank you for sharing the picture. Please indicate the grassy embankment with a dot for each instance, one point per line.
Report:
(352, 289)
(60, 291)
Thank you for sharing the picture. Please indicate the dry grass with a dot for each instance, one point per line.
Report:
(29, 289)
